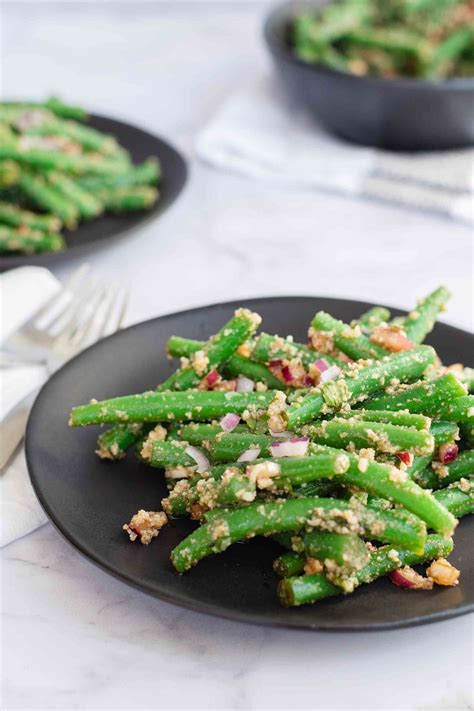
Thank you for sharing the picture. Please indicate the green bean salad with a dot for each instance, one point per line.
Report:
(426, 39)
(56, 170)
(354, 452)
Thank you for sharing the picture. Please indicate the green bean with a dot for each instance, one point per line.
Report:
(267, 348)
(87, 205)
(289, 564)
(443, 397)
(349, 340)
(128, 199)
(113, 443)
(64, 162)
(65, 110)
(441, 475)
(420, 322)
(167, 454)
(232, 489)
(89, 138)
(393, 484)
(458, 497)
(400, 418)
(10, 214)
(218, 349)
(461, 409)
(228, 447)
(346, 549)
(311, 588)
(48, 198)
(356, 386)
(245, 522)
(237, 365)
(448, 51)
(29, 241)
(373, 317)
(146, 173)
(380, 436)
(167, 407)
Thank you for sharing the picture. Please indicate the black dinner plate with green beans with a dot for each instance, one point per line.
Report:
(89, 499)
(144, 150)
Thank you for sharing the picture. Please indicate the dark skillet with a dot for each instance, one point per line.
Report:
(97, 233)
(88, 500)
(397, 114)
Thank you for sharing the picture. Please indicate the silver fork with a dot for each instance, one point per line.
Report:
(82, 312)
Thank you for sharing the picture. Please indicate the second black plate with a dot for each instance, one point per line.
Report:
(88, 235)
(88, 500)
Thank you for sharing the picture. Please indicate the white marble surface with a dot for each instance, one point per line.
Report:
(73, 637)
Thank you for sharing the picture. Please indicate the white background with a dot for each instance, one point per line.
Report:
(74, 638)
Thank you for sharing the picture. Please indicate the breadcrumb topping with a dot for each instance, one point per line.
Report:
(145, 525)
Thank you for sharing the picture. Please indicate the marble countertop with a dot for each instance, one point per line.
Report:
(75, 638)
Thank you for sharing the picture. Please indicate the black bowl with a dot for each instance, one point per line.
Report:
(397, 114)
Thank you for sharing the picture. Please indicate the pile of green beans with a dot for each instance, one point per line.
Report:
(356, 459)
(56, 170)
(427, 39)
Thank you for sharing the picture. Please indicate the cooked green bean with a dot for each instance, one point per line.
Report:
(419, 323)
(373, 317)
(289, 564)
(10, 214)
(48, 197)
(350, 341)
(443, 397)
(167, 407)
(87, 205)
(311, 588)
(29, 241)
(358, 385)
(441, 475)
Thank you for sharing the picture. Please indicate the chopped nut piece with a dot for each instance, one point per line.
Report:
(313, 566)
(145, 525)
(442, 572)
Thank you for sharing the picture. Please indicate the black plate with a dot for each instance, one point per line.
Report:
(89, 500)
(95, 233)
(398, 114)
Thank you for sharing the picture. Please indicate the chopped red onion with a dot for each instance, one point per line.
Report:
(408, 578)
(405, 457)
(321, 365)
(275, 363)
(244, 385)
(249, 455)
(293, 447)
(287, 374)
(212, 378)
(229, 422)
(199, 457)
(330, 374)
(308, 381)
(399, 578)
(448, 452)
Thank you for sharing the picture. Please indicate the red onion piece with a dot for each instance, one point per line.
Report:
(321, 365)
(199, 457)
(448, 453)
(287, 374)
(405, 457)
(398, 578)
(408, 578)
(249, 455)
(308, 381)
(293, 447)
(229, 422)
(275, 363)
(244, 385)
(212, 378)
(330, 374)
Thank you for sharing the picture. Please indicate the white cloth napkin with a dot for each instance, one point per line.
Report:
(260, 133)
(22, 293)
